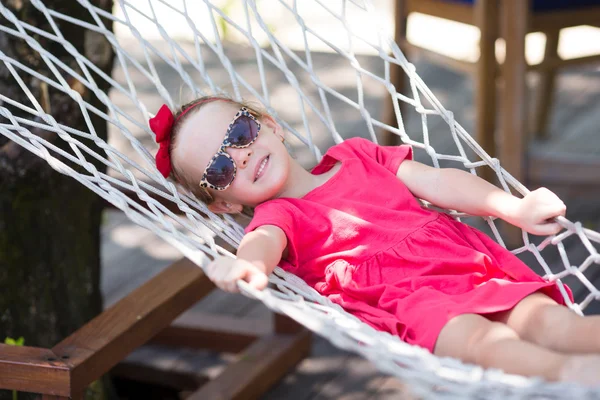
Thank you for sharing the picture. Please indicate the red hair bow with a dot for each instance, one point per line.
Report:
(161, 125)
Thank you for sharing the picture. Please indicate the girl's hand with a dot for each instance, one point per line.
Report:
(226, 271)
(536, 211)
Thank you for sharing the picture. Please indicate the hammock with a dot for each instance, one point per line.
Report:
(208, 65)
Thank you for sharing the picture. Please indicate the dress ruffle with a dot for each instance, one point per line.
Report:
(414, 288)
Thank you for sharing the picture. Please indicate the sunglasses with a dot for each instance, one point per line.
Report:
(241, 133)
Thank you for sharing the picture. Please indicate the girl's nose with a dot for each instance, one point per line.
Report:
(240, 156)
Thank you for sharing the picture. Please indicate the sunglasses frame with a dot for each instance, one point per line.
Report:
(226, 143)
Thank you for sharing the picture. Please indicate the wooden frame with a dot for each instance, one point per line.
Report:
(501, 18)
(145, 315)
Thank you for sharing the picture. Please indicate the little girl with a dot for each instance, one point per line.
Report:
(353, 229)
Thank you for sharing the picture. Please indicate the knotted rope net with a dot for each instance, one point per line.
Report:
(240, 53)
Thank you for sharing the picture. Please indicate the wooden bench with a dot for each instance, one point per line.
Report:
(145, 316)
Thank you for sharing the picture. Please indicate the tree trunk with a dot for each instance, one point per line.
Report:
(49, 223)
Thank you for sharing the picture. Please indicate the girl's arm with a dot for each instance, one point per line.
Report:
(258, 254)
(263, 247)
(459, 190)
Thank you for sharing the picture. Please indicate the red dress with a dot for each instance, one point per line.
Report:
(363, 240)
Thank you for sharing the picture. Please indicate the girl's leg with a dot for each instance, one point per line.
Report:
(475, 339)
(540, 320)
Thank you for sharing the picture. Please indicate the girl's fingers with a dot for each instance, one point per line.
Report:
(258, 280)
(232, 278)
(226, 272)
(551, 211)
(210, 269)
(230, 285)
(547, 229)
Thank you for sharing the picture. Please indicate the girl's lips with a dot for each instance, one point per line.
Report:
(261, 167)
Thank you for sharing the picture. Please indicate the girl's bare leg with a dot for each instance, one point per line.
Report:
(475, 339)
(540, 320)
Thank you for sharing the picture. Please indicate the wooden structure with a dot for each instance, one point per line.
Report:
(145, 315)
(512, 20)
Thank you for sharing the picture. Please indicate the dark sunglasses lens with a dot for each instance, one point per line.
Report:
(243, 131)
(220, 171)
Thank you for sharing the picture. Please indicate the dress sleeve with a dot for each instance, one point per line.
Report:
(276, 213)
(388, 156)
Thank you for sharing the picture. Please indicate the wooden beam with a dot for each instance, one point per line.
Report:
(258, 368)
(146, 374)
(96, 347)
(574, 169)
(557, 62)
(33, 369)
(284, 324)
(459, 12)
(540, 21)
(220, 333)
(552, 20)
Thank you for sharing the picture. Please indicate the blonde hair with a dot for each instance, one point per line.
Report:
(177, 174)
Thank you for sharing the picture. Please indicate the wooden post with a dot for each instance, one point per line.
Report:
(546, 85)
(512, 144)
(397, 76)
(486, 19)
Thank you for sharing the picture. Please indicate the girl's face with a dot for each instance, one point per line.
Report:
(262, 167)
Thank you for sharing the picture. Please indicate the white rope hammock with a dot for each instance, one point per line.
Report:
(208, 65)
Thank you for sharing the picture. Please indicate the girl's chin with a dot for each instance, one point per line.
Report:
(271, 191)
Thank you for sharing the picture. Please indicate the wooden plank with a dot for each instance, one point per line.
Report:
(204, 363)
(216, 332)
(33, 369)
(147, 374)
(197, 318)
(156, 357)
(108, 338)
(258, 368)
(574, 169)
(460, 12)
(284, 324)
(306, 380)
(559, 62)
(552, 20)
